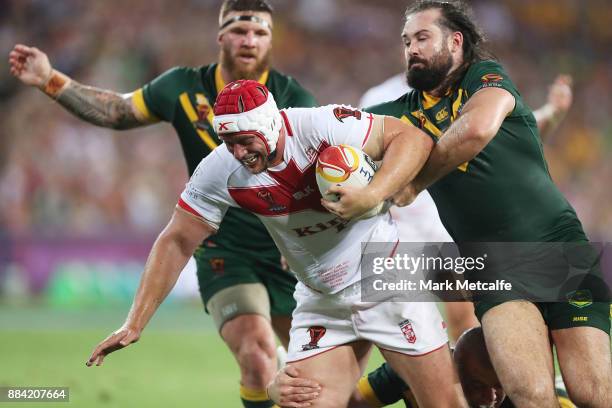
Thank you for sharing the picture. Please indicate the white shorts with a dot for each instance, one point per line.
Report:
(322, 322)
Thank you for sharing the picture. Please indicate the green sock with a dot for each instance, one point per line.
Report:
(254, 398)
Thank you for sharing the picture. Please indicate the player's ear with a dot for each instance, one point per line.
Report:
(456, 39)
(219, 38)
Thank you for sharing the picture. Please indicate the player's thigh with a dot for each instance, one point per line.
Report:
(431, 376)
(280, 284)
(282, 327)
(518, 344)
(582, 340)
(337, 370)
(229, 285)
(460, 317)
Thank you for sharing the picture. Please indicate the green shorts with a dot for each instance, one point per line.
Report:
(564, 315)
(219, 269)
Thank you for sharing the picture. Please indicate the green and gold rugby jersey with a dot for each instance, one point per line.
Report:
(505, 193)
(184, 97)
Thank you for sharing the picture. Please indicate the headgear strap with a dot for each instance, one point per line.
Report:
(250, 18)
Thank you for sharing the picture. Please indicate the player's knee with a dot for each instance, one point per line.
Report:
(257, 360)
(528, 394)
(590, 392)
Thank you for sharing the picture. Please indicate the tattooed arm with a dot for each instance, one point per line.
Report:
(97, 106)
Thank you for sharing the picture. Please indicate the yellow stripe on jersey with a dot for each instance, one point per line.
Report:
(456, 105)
(202, 100)
(405, 119)
(252, 394)
(429, 101)
(565, 403)
(220, 83)
(426, 123)
(141, 105)
(367, 392)
(193, 117)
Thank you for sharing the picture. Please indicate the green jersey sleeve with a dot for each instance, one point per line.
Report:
(300, 97)
(490, 74)
(160, 95)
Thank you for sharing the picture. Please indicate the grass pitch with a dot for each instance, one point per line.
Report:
(179, 362)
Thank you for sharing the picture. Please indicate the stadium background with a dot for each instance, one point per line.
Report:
(80, 205)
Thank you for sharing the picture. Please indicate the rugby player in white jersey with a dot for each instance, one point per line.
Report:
(267, 166)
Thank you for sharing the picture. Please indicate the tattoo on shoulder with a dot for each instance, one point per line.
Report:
(98, 106)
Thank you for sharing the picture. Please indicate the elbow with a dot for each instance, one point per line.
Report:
(481, 134)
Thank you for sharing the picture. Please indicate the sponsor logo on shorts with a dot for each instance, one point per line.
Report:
(315, 333)
(408, 331)
(343, 113)
(580, 319)
(217, 265)
(580, 298)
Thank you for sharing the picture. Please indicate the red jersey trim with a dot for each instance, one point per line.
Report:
(287, 124)
(367, 136)
(187, 208)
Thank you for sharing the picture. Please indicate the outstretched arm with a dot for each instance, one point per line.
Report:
(168, 257)
(97, 106)
(553, 112)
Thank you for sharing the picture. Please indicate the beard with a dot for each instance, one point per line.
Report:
(239, 71)
(431, 74)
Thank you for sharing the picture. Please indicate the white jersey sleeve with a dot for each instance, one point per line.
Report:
(206, 194)
(334, 124)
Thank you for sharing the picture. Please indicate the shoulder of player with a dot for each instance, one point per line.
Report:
(481, 67)
(217, 166)
(284, 87)
(397, 107)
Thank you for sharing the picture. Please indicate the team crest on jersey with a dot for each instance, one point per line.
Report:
(408, 331)
(580, 298)
(421, 118)
(203, 109)
(442, 114)
(491, 78)
(315, 333)
(343, 113)
(266, 195)
(217, 265)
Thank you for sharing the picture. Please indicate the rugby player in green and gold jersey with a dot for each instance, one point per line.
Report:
(241, 280)
(490, 182)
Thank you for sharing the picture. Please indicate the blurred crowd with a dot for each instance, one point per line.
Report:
(59, 176)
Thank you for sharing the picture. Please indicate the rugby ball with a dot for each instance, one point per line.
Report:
(344, 165)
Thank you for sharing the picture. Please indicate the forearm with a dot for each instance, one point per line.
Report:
(403, 159)
(168, 257)
(97, 106)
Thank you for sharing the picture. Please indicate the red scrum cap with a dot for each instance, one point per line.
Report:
(246, 106)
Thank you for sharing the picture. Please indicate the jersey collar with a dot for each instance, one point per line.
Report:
(220, 83)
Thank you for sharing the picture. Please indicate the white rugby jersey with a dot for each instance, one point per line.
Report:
(323, 250)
